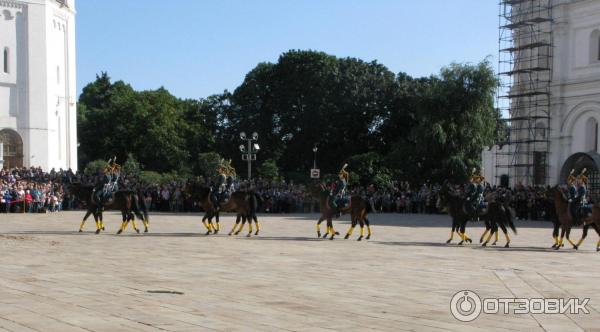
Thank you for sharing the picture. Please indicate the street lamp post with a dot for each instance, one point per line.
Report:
(315, 149)
(249, 152)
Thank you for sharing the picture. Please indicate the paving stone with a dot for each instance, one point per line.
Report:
(174, 278)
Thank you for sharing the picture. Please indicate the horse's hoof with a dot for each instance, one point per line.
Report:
(368, 237)
(207, 233)
(557, 247)
(81, 230)
(481, 240)
(346, 237)
(325, 235)
(494, 243)
(256, 233)
(103, 229)
(484, 244)
(97, 231)
(337, 233)
(215, 232)
(554, 246)
(249, 235)
(230, 233)
(319, 234)
(119, 232)
(146, 230)
(469, 240)
(360, 238)
(461, 243)
(598, 249)
(448, 242)
(237, 233)
(507, 245)
(137, 231)
(576, 247)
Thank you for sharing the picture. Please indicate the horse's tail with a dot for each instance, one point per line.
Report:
(259, 201)
(253, 203)
(509, 220)
(369, 206)
(140, 207)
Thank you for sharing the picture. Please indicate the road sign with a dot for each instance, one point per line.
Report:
(315, 173)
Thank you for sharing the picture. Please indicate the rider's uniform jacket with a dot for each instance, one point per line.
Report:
(572, 192)
(582, 193)
(220, 182)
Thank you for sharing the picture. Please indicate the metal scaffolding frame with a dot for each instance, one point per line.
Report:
(525, 73)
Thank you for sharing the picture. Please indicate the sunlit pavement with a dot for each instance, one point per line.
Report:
(175, 278)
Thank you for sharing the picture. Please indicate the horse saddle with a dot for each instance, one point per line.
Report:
(579, 211)
(342, 202)
(475, 207)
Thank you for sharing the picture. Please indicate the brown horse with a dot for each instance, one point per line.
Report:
(244, 204)
(566, 219)
(358, 209)
(594, 222)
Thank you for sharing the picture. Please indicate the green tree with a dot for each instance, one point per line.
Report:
(131, 166)
(208, 163)
(454, 120)
(268, 170)
(95, 166)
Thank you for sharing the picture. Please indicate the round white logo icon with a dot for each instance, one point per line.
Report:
(465, 306)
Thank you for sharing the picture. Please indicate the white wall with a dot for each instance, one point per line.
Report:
(32, 101)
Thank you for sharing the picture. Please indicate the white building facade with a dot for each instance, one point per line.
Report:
(38, 83)
(572, 140)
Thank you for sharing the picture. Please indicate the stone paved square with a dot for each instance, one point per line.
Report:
(176, 279)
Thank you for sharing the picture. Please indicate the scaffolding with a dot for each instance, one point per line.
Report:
(525, 73)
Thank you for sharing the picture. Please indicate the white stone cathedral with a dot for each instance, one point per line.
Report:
(566, 135)
(37, 83)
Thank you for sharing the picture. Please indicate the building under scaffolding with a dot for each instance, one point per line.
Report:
(525, 70)
(549, 93)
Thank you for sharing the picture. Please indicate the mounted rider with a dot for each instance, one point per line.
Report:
(582, 192)
(224, 184)
(572, 187)
(474, 192)
(107, 182)
(337, 194)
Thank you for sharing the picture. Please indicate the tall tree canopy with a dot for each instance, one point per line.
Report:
(413, 129)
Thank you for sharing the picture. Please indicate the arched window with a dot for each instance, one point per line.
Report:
(13, 148)
(595, 46)
(591, 135)
(5, 54)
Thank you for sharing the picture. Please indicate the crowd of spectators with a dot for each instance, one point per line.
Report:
(32, 190)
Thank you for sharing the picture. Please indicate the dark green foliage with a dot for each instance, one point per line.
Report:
(387, 127)
(268, 170)
(93, 167)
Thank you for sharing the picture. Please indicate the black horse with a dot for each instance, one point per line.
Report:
(454, 202)
(129, 202)
(498, 214)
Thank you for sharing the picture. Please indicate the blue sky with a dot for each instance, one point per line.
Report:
(196, 48)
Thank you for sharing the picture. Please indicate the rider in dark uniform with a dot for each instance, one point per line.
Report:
(572, 193)
(582, 199)
(474, 192)
(217, 188)
(340, 188)
(106, 183)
